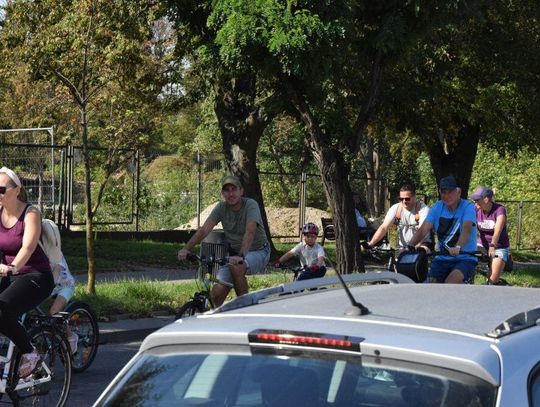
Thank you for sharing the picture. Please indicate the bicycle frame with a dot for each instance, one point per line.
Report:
(23, 383)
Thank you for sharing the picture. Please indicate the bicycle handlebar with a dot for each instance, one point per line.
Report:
(478, 254)
(210, 260)
(284, 266)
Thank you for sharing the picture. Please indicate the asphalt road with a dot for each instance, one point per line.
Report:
(88, 385)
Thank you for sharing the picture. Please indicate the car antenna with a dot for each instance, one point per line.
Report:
(356, 308)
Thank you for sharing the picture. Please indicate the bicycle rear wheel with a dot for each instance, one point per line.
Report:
(83, 322)
(52, 378)
(190, 308)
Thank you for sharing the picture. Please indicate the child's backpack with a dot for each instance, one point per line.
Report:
(50, 242)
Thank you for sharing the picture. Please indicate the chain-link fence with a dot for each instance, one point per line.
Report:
(30, 154)
(114, 180)
(53, 177)
(523, 224)
(180, 195)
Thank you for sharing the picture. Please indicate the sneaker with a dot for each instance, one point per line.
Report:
(73, 340)
(29, 361)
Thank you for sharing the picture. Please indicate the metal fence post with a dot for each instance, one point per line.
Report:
(199, 190)
(302, 203)
(519, 223)
(137, 188)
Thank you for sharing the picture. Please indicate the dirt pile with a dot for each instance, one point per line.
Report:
(282, 221)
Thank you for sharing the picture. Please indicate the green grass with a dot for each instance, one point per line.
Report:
(143, 297)
(120, 254)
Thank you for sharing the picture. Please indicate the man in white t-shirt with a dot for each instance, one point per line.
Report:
(407, 215)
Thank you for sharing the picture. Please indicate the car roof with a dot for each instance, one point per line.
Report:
(471, 309)
(422, 321)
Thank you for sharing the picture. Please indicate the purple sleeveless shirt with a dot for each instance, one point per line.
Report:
(11, 243)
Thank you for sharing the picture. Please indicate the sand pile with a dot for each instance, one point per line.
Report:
(282, 221)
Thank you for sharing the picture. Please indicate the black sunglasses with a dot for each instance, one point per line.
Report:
(4, 189)
(406, 199)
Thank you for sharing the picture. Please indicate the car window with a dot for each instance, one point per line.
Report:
(237, 377)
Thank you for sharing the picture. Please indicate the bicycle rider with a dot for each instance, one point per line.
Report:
(26, 278)
(491, 223)
(453, 219)
(310, 253)
(245, 234)
(407, 215)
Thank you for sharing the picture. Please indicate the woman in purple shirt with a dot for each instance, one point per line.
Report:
(491, 223)
(25, 274)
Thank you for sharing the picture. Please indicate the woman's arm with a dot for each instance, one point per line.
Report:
(499, 225)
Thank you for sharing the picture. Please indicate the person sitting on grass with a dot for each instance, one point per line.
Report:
(310, 252)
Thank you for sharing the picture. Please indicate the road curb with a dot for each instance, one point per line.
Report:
(131, 330)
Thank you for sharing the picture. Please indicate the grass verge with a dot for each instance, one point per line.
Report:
(141, 298)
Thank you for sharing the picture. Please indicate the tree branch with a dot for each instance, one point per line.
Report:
(306, 115)
(71, 87)
(365, 113)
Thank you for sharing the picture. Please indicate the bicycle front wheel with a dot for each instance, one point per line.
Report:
(52, 379)
(190, 308)
(83, 322)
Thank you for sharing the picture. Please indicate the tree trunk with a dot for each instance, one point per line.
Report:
(242, 124)
(91, 285)
(455, 156)
(334, 175)
(334, 171)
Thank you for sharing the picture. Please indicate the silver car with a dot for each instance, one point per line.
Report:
(386, 342)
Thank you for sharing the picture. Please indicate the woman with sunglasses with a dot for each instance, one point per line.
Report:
(407, 215)
(25, 274)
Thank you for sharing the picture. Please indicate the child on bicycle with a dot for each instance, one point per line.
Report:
(310, 252)
(63, 291)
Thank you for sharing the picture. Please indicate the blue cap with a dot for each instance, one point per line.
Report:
(448, 183)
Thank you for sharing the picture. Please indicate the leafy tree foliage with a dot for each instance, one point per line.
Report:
(99, 56)
(471, 80)
(328, 58)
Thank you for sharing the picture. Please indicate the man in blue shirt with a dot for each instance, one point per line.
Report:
(454, 221)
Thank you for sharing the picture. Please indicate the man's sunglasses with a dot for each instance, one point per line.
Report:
(406, 199)
(4, 189)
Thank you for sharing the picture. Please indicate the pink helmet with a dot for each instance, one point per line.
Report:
(310, 228)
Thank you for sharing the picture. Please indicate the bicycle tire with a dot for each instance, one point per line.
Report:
(54, 350)
(190, 308)
(83, 321)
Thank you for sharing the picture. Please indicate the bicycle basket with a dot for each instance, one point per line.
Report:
(413, 265)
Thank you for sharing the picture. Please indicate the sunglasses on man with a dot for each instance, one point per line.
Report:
(3, 189)
(405, 198)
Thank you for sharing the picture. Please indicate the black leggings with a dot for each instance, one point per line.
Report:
(20, 294)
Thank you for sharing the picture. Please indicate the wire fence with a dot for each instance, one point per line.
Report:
(183, 196)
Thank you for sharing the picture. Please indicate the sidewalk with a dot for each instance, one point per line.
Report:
(140, 273)
(131, 330)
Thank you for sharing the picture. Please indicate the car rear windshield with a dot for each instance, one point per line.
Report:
(238, 376)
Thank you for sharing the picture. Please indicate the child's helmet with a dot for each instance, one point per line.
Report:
(310, 228)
